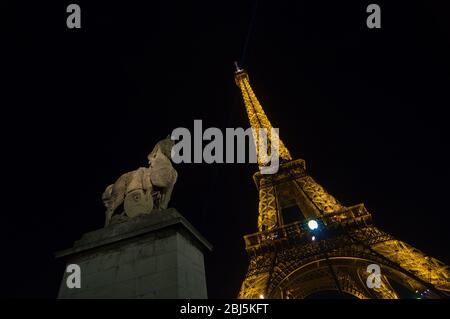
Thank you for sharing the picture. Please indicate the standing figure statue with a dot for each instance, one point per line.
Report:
(143, 190)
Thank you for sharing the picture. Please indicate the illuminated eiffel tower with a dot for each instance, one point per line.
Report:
(308, 242)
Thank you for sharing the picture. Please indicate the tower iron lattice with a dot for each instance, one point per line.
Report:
(289, 259)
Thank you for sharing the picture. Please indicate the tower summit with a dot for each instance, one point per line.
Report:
(308, 242)
(257, 116)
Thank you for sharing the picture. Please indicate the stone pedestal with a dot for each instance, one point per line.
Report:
(159, 255)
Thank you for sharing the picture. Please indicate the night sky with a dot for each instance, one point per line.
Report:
(366, 109)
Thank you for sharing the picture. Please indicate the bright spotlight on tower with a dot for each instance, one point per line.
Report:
(312, 224)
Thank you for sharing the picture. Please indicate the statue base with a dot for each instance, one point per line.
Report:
(158, 255)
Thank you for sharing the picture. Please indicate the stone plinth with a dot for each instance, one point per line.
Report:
(159, 255)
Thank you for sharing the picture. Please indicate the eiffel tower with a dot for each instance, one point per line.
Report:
(308, 242)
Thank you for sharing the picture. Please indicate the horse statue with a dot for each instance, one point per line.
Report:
(143, 190)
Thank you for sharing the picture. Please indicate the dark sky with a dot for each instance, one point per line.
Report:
(365, 108)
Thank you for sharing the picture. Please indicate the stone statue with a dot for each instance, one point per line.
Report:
(143, 190)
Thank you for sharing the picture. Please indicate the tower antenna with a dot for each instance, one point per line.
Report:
(238, 69)
(249, 31)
